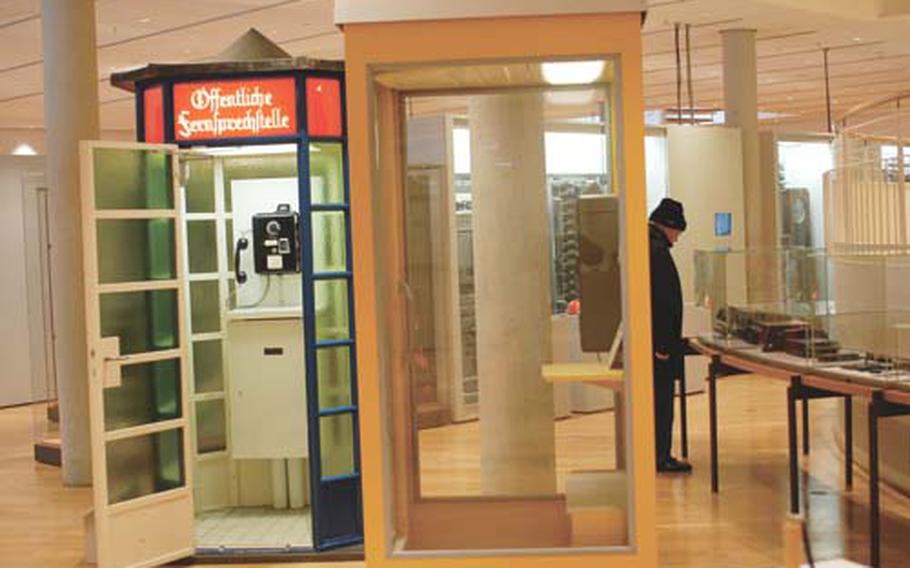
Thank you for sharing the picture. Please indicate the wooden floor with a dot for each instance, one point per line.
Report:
(40, 521)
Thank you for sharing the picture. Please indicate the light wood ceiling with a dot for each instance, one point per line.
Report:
(868, 57)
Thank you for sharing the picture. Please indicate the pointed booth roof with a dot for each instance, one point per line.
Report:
(252, 52)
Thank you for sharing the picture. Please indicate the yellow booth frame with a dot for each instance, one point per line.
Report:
(378, 264)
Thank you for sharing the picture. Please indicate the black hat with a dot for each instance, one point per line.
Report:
(669, 214)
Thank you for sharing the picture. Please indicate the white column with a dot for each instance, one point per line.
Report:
(70, 115)
(512, 292)
(741, 111)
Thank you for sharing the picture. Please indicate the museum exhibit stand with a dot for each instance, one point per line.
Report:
(493, 284)
(832, 325)
(219, 290)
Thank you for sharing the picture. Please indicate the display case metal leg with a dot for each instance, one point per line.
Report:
(874, 518)
(712, 408)
(683, 412)
(848, 442)
(805, 426)
(793, 450)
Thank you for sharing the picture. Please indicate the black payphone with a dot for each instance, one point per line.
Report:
(276, 246)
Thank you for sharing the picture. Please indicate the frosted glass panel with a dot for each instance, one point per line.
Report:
(144, 321)
(132, 179)
(144, 465)
(210, 426)
(336, 438)
(135, 250)
(329, 242)
(203, 248)
(331, 309)
(149, 393)
(326, 173)
(204, 301)
(208, 366)
(200, 186)
(333, 369)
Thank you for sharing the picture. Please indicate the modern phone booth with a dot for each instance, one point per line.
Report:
(220, 314)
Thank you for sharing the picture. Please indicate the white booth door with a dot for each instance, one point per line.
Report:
(135, 322)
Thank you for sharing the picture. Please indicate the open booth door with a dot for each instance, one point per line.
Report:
(332, 399)
(135, 322)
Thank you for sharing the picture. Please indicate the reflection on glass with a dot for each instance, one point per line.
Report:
(206, 315)
(336, 444)
(202, 246)
(144, 321)
(211, 426)
(333, 369)
(144, 465)
(326, 173)
(329, 242)
(133, 250)
(132, 179)
(150, 392)
(208, 366)
(331, 309)
(200, 186)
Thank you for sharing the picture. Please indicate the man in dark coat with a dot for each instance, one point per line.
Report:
(666, 223)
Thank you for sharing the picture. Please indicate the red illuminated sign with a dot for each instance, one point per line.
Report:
(153, 114)
(323, 106)
(236, 108)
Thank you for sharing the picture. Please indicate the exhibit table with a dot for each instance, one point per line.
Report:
(807, 381)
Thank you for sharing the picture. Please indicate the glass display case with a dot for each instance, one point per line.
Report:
(845, 315)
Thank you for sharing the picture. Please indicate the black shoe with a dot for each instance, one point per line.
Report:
(673, 465)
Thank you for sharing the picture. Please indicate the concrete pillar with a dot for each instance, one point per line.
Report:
(741, 111)
(512, 293)
(70, 115)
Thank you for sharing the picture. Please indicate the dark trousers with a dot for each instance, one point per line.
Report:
(664, 383)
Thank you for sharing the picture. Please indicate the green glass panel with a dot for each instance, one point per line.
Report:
(132, 179)
(257, 167)
(333, 370)
(149, 392)
(232, 293)
(329, 242)
(203, 246)
(200, 186)
(210, 426)
(326, 173)
(331, 309)
(336, 444)
(229, 233)
(144, 465)
(144, 321)
(208, 366)
(205, 304)
(133, 250)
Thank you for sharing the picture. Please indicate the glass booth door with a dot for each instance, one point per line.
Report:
(135, 317)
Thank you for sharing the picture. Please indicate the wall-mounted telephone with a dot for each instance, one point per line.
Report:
(276, 247)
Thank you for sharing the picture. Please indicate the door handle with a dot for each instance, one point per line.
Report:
(109, 369)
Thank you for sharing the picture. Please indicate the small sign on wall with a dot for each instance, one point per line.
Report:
(237, 108)
(723, 224)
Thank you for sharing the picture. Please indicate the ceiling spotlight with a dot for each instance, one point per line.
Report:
(144, 20)
(857, 39)
(572, 72)
(24, 150)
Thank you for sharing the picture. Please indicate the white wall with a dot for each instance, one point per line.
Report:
(15, 348)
